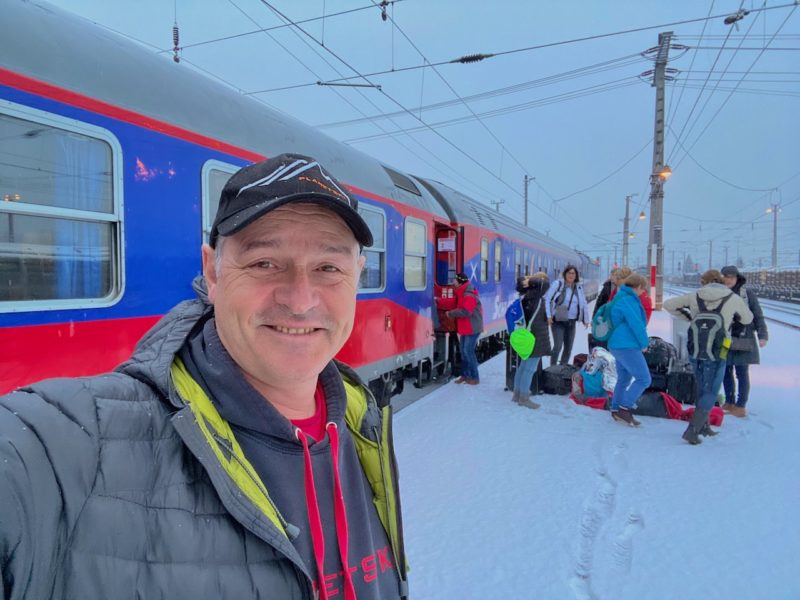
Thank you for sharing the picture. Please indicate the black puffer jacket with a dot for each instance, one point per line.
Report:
(533, 297)
(110, 489)
(744, 345)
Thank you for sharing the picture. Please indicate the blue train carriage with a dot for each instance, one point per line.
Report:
(493, 249)
(114, 159)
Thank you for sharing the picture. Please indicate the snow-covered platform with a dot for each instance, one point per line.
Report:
(563, 503)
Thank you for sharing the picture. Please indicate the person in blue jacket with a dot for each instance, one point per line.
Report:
(628, 340)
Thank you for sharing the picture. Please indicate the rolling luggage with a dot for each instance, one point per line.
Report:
(659, 383)
(682, 384)
(512, 362)
(557, 379)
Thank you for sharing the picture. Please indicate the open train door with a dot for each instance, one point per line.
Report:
(449, 260)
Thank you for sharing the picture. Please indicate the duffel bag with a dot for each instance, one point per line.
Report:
(659, 355)
(557, 379)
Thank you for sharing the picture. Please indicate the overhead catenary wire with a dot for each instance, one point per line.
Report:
(450, 143)
(534, 47)
(730, 94)
(346, 100)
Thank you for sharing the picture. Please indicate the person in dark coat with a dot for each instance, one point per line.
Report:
(532, 291)
(744, 346)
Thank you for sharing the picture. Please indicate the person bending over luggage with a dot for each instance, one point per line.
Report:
(627, 342)
(712, 302)
(744, 349)
(566, 305)
(532, 291)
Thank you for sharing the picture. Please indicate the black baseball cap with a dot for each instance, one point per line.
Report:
(729, 271)
(256, 189)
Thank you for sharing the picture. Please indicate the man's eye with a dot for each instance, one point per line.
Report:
(330, 269)
(263, 264)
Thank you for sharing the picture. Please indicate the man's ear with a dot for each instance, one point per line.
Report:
(209, 271)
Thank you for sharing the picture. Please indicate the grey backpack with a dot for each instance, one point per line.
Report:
(707, 332)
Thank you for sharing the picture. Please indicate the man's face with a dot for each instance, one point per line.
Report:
(729, 281)
(284, 293)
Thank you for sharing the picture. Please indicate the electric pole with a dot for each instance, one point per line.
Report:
(525, 182)
(658, 175)
(774, 209)
(710, 253)
(626, 228)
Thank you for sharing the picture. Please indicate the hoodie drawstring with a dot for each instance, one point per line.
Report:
(340, 515)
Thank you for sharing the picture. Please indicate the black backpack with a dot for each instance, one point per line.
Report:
(707, 332)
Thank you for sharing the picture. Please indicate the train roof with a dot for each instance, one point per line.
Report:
(70, 52)
(463, 209)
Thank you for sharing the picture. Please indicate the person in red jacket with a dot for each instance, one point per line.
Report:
(468, 314)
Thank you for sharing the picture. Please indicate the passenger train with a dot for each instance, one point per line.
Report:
(112, 159)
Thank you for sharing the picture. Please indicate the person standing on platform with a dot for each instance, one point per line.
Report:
(532, 293)
(712, 297)
(566, 305)
(230, 456)
(627, 342)
(468, 314)
(744, 346)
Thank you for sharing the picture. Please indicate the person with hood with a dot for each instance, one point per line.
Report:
(565, 303)
(230, 456)
(468, 314)
(532, 291)
(713, 296)
(744, 347)
(627, 342)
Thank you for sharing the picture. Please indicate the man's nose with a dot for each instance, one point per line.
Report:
(297, 292)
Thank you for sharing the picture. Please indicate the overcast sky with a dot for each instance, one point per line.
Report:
(577, 115)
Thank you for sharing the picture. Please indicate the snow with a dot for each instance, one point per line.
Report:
(562, 503)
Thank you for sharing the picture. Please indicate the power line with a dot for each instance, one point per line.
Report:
(273, 28)
(512, 89)
(753, 64)
(527, 48)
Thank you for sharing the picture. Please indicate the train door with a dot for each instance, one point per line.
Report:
(449, 260)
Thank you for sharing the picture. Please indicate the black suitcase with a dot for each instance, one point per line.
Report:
(659, 383)
(557, 379)
(659, 355)
(682, 384)
(512, 362)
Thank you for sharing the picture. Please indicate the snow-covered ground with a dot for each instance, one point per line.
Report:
(562, 503)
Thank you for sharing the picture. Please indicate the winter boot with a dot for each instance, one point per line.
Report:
(625, 415)
(527, 402)
(706, 430)
(738, 411)
(515, 397)
(692, 433)
(728, 406)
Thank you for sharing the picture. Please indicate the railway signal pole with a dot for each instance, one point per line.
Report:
(658, 175)
(626, 228)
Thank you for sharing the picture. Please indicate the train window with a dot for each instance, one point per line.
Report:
(518, 262)
(498, 259)
(484, 260)
(373, 274)
(415, 246)
(527, 262)
(214, 177)
(60, 214)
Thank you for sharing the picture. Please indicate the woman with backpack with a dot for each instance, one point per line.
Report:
(532, 291)
(627, 342)
(565, 304)
(744, 348)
